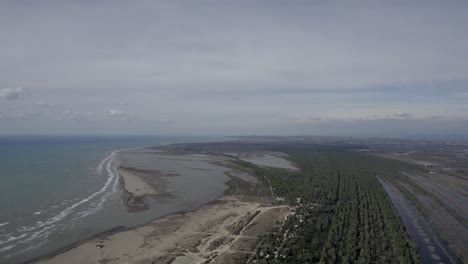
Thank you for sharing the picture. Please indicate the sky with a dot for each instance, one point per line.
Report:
(234, 67)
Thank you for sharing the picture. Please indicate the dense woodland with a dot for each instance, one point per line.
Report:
(343, 215)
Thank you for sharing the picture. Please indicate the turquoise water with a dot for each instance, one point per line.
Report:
(57, 190)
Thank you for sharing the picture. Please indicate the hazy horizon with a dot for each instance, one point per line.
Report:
(234, 68)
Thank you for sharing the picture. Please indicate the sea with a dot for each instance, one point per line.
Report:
(57, 190)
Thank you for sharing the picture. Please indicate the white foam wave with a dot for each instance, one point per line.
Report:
(10, 238)
(68, 210)
(42, 228)
(34, 235)
(101, 165)
(5, 248)
(4, 224)
(112, 174)
(25, 228)
(46, 225)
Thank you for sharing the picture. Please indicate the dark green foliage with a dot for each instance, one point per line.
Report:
(345, 215)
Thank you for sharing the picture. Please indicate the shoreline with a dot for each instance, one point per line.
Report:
(235, 198)
(134, 201)
(113, 230)
(109, 232)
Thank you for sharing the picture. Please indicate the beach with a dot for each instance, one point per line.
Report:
(225, 230)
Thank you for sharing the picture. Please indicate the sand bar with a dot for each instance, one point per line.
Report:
(134, 184)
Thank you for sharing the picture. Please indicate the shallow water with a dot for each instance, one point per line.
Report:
(196, 183)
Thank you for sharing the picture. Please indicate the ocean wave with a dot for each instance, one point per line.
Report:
(101, 165)
(43, 226)
(30, 247)
(25, 249)
(10, 238)
(29, 237)
(22, 229)
(112, 174)
(5, 248)
(70, 209)
(94, 202)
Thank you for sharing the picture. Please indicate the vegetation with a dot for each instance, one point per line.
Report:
(343, 214)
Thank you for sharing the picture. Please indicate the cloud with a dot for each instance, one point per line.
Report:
(205, 68)
(12, 93)
(302, 48)
(26, 115)
(69, 115)
(42, 104)
(302, 119)
(437, 117)
(115, 114)
(404, 115)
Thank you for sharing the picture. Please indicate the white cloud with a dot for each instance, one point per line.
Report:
(403, 115)
(42, 104)
(12, 93)
(221, 66)
(19, 115)
(114, 112)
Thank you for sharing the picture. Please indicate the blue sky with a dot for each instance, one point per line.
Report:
(234, 67)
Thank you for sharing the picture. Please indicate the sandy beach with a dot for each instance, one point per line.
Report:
(134, 184)
(223, 231)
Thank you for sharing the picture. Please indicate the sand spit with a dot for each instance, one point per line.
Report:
(223, 231)
(144, 174)
(135, 185)
(140, 184)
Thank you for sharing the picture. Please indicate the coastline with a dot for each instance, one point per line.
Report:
(135, 189)
(209, 230)
(111, 231)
